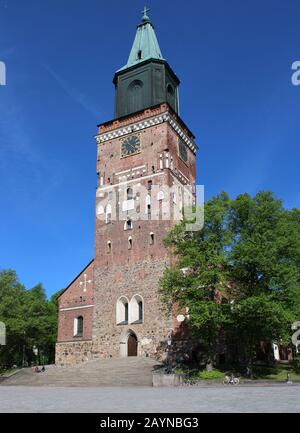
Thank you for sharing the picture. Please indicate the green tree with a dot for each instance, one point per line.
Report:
(200, 273)
(30, 319)
(242, 271)
(12, 298)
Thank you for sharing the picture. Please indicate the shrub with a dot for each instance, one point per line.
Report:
(214, 374)
(180, 371)
(296, 363)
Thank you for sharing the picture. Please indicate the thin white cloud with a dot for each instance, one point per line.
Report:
(75, 94)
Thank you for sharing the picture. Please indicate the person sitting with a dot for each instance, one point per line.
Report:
(37, 370)
(43, 369)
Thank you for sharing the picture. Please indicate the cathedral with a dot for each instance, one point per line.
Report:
(146, 165)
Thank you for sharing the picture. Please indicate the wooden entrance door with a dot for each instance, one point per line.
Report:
(132, 345)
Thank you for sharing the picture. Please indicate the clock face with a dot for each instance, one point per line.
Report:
(130, 145)
(183, 151)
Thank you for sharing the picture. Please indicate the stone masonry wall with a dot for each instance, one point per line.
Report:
(129, 280)
(70, 353)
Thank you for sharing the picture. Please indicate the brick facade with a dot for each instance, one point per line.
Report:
(76, 301)
(124, 270)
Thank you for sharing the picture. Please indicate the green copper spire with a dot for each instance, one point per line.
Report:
(145, 45)
(146, 80)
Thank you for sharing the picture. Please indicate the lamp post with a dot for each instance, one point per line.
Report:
(23, 360)
(169, 343)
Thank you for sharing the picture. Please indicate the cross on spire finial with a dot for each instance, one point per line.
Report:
(144, 12)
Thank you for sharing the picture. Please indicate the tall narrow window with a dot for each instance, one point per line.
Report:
(171, 96)
(135, 96)
(108, 247)
(149, 186)
(122, 311)
(128, 224)
(151, 241)
(140, 305)
(129, 243)
(167, 160)
(136, 310)
(148, 206)
(129, 194)
(78, 326)
(161, 163)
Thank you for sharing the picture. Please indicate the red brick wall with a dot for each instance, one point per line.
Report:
(123, 271)
(155, 141)
(75, 302)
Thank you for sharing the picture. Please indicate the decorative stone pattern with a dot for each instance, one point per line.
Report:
(164, 117)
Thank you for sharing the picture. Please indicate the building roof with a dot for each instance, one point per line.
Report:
(145, 45)
(78, 275)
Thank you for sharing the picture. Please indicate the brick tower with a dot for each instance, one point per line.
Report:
(145, 166)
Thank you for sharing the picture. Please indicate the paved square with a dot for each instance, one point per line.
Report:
(145, 399)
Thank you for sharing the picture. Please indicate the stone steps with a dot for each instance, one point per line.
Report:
(102, 372)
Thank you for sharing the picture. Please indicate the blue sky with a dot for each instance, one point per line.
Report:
(234, 60)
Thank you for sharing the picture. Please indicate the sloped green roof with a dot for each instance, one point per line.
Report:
(145, 45)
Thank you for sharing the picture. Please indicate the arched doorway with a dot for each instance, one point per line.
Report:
(132, 345)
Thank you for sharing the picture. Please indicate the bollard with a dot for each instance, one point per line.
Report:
(288, 380)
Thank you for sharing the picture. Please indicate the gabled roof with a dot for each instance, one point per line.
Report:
(76, 278)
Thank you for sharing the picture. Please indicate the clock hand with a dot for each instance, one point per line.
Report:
(132, 146)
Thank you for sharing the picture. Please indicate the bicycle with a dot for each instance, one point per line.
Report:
(190, 382)
(231, 380)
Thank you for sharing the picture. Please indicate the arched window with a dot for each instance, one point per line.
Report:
(128, 224)
(136, 310)
(135, 96)
(171, 95)
(122, 311)
(160, 195)
(130, 243)
(151, 239)
(170, 90)
(78, 326)
(108, 247)
(129, 193)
